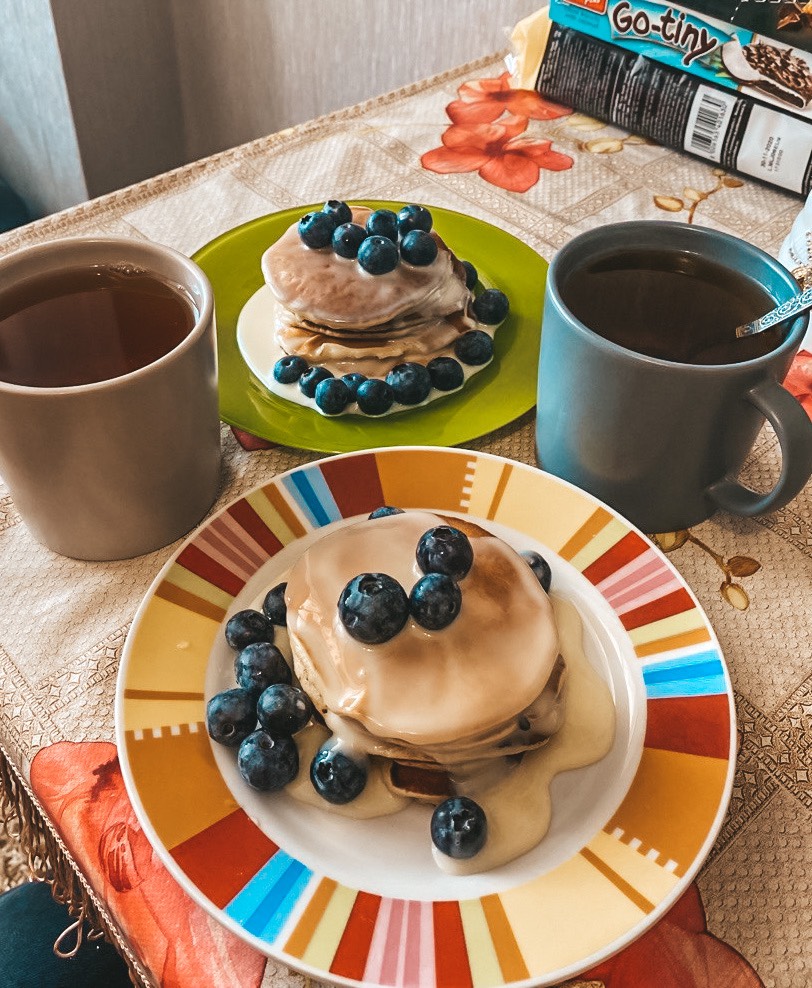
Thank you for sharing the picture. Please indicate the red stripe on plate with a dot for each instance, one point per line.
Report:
(224, 857)
(629, 547)
(450, 953)
(353, 948)
(243, 513)
(666, 606)
(197, 562)
(354, 484)
(695, 725)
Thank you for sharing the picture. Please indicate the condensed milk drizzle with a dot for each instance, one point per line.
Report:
(465, 699)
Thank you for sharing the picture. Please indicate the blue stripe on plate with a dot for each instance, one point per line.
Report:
(278, 916)
(256, 905)
(313, 496)
(700, 674)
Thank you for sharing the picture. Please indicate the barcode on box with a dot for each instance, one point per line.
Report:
(708, 122)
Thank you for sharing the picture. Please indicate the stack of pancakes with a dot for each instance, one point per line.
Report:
(443, 706)
(331, 312)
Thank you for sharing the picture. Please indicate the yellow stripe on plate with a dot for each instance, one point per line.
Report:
(179, 783)
(488, 482)
(146, 711)
(682, 640)
(282, 527)
(485, 968)
(609, 535)
(170, 653)
(191, 582)
(308, 922)
(542, 507)
(567, 914)
(325, 940)
(424, 478)
(677, 624)
(645, 874)
(671, 805)
(597, 520)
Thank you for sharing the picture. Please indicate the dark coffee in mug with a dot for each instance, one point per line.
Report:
(83, 325)
(670, 304)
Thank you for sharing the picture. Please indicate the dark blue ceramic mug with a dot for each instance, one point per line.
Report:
(659, 440)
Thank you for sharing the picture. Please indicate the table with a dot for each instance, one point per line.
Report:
(747, 919)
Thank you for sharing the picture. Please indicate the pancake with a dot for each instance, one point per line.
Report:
(319, 287)
(490, 686)
(329, 312)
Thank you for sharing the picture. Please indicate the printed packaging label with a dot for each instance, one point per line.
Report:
(676, 109)
(728, 55)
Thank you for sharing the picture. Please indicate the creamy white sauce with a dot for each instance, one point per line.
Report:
(514, 794)
(517, 805)
(333, 314)
(259, 349)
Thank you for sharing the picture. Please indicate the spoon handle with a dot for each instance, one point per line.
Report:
(787, 310)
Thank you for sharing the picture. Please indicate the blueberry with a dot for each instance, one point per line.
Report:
(418, 248)
(283, 710)
(231, 716)
(383, 223)
(374, 397)
(268, 763)
(491, 306)
(353, 382)
(347, 238)
(274, 607)
(474, 347)
(259, 665)
(413, 217)
(384, 511)
(316, 229)
(410, 383)
(373, 608)
(310, 380)
(435, 601)
(337, 777)
(459, 827)
(332, 396)
(378, 255)
(289, 369)
(446, 373)
(246, 627)
(471, 275)
(541, 568)
(338, 210)
(445, 549)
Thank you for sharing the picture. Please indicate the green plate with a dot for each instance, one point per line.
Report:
(492, 398)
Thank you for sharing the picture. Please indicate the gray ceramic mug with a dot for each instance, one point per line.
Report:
(661, 441)
(118, 467)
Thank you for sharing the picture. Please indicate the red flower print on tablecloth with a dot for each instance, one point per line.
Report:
(485, 136)
(497, 153)
(81, 788)
(799, 380)
(485, 100)
(678, 952)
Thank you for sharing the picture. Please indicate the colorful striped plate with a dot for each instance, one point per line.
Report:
(361, 902)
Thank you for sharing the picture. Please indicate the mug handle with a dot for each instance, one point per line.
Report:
(794, 430)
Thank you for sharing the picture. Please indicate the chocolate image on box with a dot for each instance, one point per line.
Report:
(779, 20)
(778, 72)
(794, 16)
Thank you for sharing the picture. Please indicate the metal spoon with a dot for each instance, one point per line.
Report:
(781, 313)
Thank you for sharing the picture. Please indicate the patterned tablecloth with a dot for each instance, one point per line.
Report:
(465, 142)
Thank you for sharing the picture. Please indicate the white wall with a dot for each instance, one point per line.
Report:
(39, 151)
(252, 67)
(97, 94)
